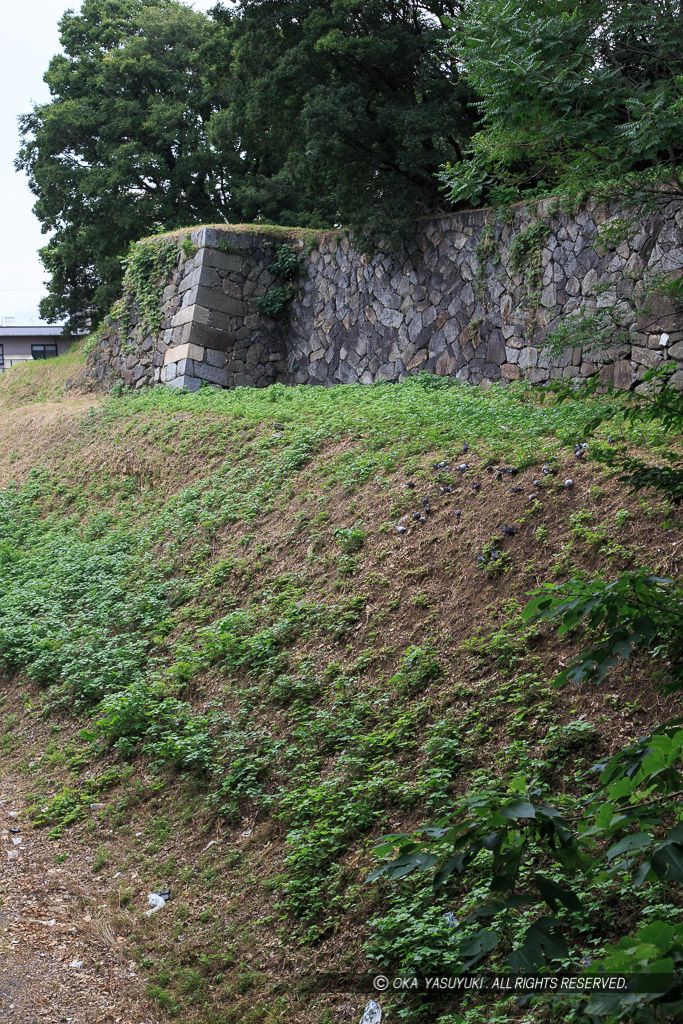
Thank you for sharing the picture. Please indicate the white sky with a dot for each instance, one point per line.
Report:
(30, 39)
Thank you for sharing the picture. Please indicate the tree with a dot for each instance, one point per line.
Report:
(344, 110)
(288, 111)
(121, 149)
(576, 96)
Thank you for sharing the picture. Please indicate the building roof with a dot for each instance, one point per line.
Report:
(49, 331)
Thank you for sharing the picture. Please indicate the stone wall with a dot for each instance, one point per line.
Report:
(210, 328)
(468, 296)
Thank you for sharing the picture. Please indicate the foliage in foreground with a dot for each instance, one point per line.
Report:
(541, 849)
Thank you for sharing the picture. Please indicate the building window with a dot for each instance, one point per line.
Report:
(2, 355)
(43, 351)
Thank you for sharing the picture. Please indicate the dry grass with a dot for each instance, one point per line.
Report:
(42, 380)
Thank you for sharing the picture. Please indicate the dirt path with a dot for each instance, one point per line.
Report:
(58, 960)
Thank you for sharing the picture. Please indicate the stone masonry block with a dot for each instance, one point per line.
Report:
(212, 374)
(623, 374)
(190, 281)
(645, 356)
(212, 299)
(185, 383)
(185, 315)
(178, 352)
(214, 357)
(209, 337)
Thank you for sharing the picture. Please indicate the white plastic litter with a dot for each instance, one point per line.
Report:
(372, 1014)
(76, 963)
(12, 855)
(156, 902)
(450, 919)
(17, 840)
(209, 845)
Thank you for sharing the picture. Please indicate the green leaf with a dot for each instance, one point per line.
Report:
(620, 789)
(659, 934)
(604, 816)
(543, 941)
(477, 946)
(519, 809)
(628, 844)
(446, 870)
(667, 861)
(641, 873)
(552, 893)
(676, 833)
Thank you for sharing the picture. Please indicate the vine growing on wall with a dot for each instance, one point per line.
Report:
(286, 267)
(525, 251)
(525, 259)
(485, 250)
(146, 265)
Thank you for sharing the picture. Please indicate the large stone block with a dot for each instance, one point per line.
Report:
(185, 383)
(190, 280)
(417, 360)
(235, 245)
(214, 357)
(645, 356)
(624, 374)
(528, 357)
(186, 315)
(446, 364)
(207, 336)
(212, 374)
(218, 301)
(495, 349)
(188, 351)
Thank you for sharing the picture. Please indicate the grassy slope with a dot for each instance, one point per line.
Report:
(216, 581)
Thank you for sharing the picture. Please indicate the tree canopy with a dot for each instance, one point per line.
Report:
(575, 96)
(121, 149)
(344, 110)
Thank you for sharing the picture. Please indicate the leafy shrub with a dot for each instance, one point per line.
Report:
(419, 667)
(350, 540)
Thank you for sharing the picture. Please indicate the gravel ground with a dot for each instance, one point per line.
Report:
(60, 959)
